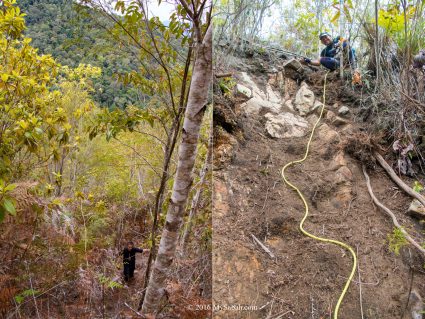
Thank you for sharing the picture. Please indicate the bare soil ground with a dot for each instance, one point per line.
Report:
(306, 277)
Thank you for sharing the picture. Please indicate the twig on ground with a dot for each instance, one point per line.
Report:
(390, 213)
(363, 283)
(360, 283)
(33, 294)
(265, 200)
(135, 311)
(397, 179)
(414, 101)
(265, 305)
(280, 315)
(263, 246)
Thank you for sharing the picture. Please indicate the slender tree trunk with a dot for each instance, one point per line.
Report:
(195, 201)
(319, 22)
(171, 143)
(377, 54)
(406, 48)
(341, 34)
(195, 109)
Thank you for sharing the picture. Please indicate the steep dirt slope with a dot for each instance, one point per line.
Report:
(254, 139)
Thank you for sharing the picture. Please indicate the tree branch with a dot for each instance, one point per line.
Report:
(397, 179)
(390, 213)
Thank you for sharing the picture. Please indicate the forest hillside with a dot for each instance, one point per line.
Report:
(89, 163)
(74, 34)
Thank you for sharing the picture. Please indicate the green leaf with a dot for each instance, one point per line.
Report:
(10, 187)
(9, 206)
(19, 299)
(29, 292)
(417, 187)
(4, 77)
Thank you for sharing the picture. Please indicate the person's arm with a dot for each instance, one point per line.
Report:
(139, 250)
(315, 62)
(312, 62)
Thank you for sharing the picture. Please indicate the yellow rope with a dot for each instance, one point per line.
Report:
(333, 241)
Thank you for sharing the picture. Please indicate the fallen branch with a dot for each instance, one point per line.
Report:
(223, 75)
(134, 310)
(360, 284)
(397, 179)
(414, 101)
(280, 315)
(390, 213)
(263, 246)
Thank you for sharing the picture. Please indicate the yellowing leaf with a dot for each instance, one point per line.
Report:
(335, 18)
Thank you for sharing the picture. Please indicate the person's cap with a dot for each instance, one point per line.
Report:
(324, 34)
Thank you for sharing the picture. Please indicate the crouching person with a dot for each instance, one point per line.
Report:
(330, 55)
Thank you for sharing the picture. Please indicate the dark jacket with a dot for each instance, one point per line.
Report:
(129, 256)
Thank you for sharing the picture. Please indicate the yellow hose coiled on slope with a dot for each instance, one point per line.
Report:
(300, 194)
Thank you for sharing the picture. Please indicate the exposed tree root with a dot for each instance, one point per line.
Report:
(397, 179)
(389, 212)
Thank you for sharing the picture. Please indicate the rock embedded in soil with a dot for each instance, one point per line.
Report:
(317, 107)
(330, 115)
(293, 64)
(271, 95)
(226, 146)
(343, 110)
(339, 121)
(243, 92)
(312, 119)
(343, 175)
(327, 135)
(285, 125)
(417, 306)
(416, 209)
(304, 100)
(338, 161)
(255, 105)
(256, 92)
(289, 105)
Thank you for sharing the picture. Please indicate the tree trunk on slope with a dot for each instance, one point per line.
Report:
(168, 153)
(195, 109)
(195, 201)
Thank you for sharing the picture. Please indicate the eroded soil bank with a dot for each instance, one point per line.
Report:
(261, 127)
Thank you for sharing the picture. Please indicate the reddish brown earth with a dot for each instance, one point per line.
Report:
(306, 277)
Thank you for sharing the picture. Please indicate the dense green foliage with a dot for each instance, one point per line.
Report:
(74, 34)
